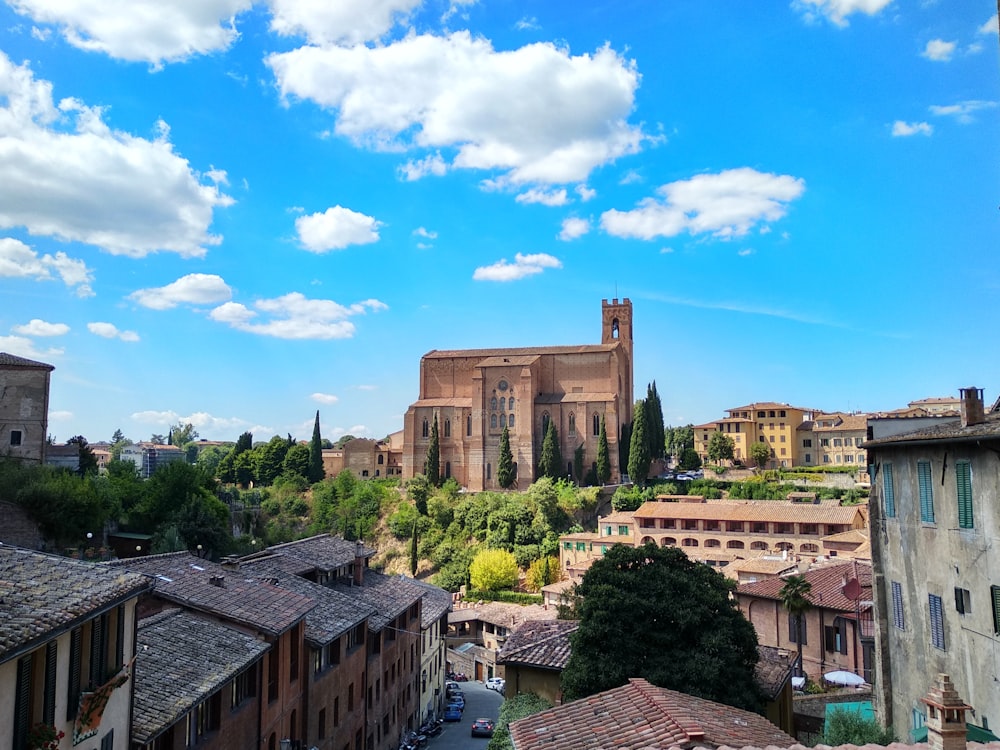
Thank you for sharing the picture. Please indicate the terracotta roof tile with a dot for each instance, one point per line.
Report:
(774, 669)
(539, 643)
(502, 614)
(751, 510)
(41, 594)
(182, 659)
(827, 585)
(639, 716)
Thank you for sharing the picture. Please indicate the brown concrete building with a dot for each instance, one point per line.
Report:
(477, 632)
(365, 458)
(473, 394)
(24, 407)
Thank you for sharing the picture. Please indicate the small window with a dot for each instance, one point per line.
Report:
(888, 491)
(897, 606)
(809, 458)
(793, 631)
(493, 421)
(503, 404)
(572, 424)
(489, 472)
(468, 425)
(510, 420)
(15, 437)
(937, 621)
(425, 431)
(381, 459)
(963, 478)
(963, 601)
(447, 428)
(596, 425)
(510, 404)
(493, 404)
(623, 530)
(926, 489)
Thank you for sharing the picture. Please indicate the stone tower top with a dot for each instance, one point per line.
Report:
(616, 321)
(945, 716)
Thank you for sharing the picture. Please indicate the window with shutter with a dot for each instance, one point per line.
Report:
(937, 621)
(888, 491)
(963, 480)
(98, 650)
(995, 598)
(926, 491)
(49, 698)
(108, 740)
(22, 702)
(75, 669)
(897, 606)
(119, 638)
(963, 603)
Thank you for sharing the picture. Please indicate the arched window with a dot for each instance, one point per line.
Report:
(489, 472)
(468, 425)
(712, 543)
(646, 540)
(735, 545)
(426, 430)
(668, 541)
(493, 404)
(447, 428)
(569, 468)
(614, 328)
(596, 427)
(513, 468)
(809, 548)
(510, 403)
(572, 424)
(689, 542)
(493, 421)
(503, 421)
(758, 545)
(381, 459)
(503, 404)
(785, 546)
(545, 423)
(510, 421)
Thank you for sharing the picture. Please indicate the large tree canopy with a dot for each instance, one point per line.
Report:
(652, 612)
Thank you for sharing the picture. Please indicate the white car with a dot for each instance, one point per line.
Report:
(496, 683)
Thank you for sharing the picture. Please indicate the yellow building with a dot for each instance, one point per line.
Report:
(766, 422)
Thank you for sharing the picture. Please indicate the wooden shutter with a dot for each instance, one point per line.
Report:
(119, 638)
(959, 601)
(897, 606)
(926, 491)
(995, 597)
(49, 699)
(937, 621)
(963, 480)
(75, 669)
(22, 702)
(888, 491)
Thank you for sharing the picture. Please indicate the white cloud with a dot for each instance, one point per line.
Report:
(991, 26)
(24, 347)
(962, 111)
(193, 289)
(727, 204)
(342, 22)
(630, 177)
(418, 168)
(110, 331)
(903, 129)
(422, 232)
(294, 316)
(666, 250)
(18, 260)
(126, 195)
(744, 252)
(838, 10)
(60, 416)
(367, 387)
(153, 31)
(202, 421)
(335, 229)
(574, 227)
(527, 24)
(939, 50)
(36, 327)
(523, 265)
(324, 398)
(538, 112)
(585, 193)
(545, 197)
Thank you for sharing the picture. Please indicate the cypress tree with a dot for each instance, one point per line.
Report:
(505, 466)
(638, 454)
(655, 431)
(551, 463)
(316, 472)
(624, 445)
(432, 466)
(603, 455)
(413, 551)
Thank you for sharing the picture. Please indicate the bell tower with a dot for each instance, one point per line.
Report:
(616, 328)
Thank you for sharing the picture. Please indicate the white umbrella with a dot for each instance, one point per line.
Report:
(842, 677)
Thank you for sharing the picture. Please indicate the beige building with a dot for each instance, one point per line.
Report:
(766, 422)
(473, 394)
(366, 458)
(24, 407)
(833, 440)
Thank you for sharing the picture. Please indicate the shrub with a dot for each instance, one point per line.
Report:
(847, 727)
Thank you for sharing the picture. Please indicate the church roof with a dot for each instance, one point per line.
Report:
(520, 351)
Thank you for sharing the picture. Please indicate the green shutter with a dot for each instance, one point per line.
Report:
(926, 491)
(888, 491)
(963, 479)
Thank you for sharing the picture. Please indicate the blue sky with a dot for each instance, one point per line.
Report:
(236, 213)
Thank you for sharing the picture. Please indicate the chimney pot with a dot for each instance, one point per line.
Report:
(971, 406)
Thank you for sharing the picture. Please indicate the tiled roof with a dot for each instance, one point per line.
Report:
(322, 552)
(771, 405)
(182, 659)
(773, 670)
(389, 595)
(502, 614)
(572, 398)
(437, 602)
(455, 401)
(827, 586)
(559, 587)
(856, 536)
(522, 360)
(621, 516)
(642, 716)
(42, 594)
(762, 564)
(184, 579)
(11, 360)
(846, 422)
(334, 614)
(539, 643)
(949, 431)
(751, 510)
(519, 351)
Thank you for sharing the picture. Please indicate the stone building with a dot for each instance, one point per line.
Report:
(24, 407)
(474, 393)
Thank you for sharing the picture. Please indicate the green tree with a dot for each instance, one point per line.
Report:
(550, 464)
(118, 441)
(432, 465)
(211, 457)
(243, 443)
(578, 456)
(493, 570)
(343, 440)
(794, 595)
(721, 448)
(689, 459)
(639, 457)
(847, 727)
(505, 464)
(542, 572)
(183, 433)
(269, 459)
(419, 490)
(652, 612)
(316, 472)
(243, 468)
(655, 433)
(296, 461)
(87, 459)
(516, 707)
(603, 455)
(760, 454)
(679, 438)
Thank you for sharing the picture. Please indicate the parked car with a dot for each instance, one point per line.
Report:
(496, 683)
(482, 728)
(457, 700)
(452, 713)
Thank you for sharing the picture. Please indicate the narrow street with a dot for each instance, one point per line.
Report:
(479, 703)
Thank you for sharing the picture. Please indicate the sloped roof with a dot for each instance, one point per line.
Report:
(520, 351)
(774, 669)
(572, 398)
(389, 595)
(771, 405)
(751, 510)
(437, 602)
(181, 660)
(827, 586)
(641, 715)
(543, 644)
(184, 579)
(42, 594)
(762, 564)
(502, 614)
(951, 430)
(323, 551)
(12, 360)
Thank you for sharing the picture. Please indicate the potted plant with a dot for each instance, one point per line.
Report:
(44, 736)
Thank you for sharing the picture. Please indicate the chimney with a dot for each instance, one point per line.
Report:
(945, 716)
(971, 406)
(219, 581)
(359, 563)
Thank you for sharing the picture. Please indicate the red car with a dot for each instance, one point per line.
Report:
(482, 728)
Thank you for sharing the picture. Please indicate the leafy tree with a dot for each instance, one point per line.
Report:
(296, 461)
(316, 472)
(721, 448)
(760, 454)
(244, 442)
(652, 612)
(343, 440)
(518, 707)
(493, 570)
(794, 595)
(118, 441)
(578, 456)
(639, 457)
(211, 457)
(117, 437)
(679, 438)
(419, 489)
(243, 468)
(542, 572)
(181, 434)
(432, 465)
(157, 438)
(87, 460)
(505, 464)
(603, 455)
(689, 459)
(655, 433)
(269, 459)
(847, 727)
(550, 464)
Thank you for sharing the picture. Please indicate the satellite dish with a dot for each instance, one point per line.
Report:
(852, 589)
